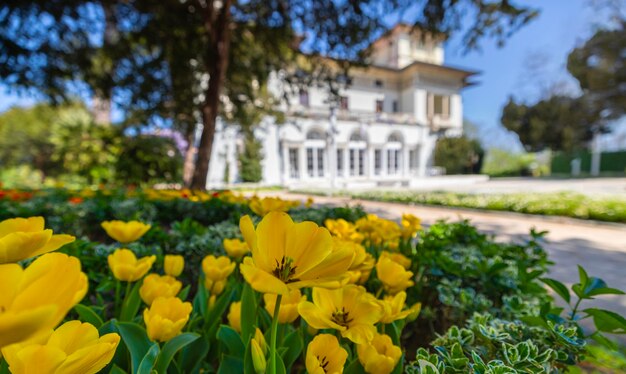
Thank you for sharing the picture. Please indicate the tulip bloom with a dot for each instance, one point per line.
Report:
(325, 355)
(126, 267)
(125, 232)
(22, 238)
(270, 204)
(234, 316)
(288, 255)
(351, 310)
(173, 265)
(235, 248)
(410, 226)
(343, 230)
(393, 275)
(37, 298)
(288, 305)
(155, 285)
(398, 258)
(166, 317)
(73, 348)
(216, 271)
(393, 306)
(258, 357)
(379, 356)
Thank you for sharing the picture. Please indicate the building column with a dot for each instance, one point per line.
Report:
(302, 160)
(286, 164)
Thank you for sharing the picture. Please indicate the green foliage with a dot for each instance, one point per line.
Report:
(459, 155)
(149, 159)
(600, 69)
(501, 163)
(549, 204)
(557, 123)
(250, 159)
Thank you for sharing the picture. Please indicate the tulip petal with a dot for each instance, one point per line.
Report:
(17, 327)
(271, 234)
(316, 317)
(18, 246)
(30, 224)
(335, 263)
(308, 245)
(55, 242)
(260, 280)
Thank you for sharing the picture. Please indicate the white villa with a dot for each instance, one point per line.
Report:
(383, 131)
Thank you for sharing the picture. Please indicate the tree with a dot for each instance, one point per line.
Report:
(250, 159)
(459, 155)
(600, 68)
(148, 159)
(185, 61)
(559, 123)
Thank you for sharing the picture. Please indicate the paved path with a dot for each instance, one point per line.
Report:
(600, 248)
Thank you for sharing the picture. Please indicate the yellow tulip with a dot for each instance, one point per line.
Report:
(393, 306)
(258, 357)
(73, 348)
(126, 267)
(173, 265)
(410, 225)
(166, 317)
(415, 311)
(125, 232)
(325, 355)
(362, 264)
(288, 311)
(398, 258)
(393, 275)
(379, 356)
(288, 255)
(22, 238)
(309, 202)
(262, 206)
(234, 316)
(216, 271)
(155, 285)
(343, 230)
(235, 248)
(37, 298)
(351, 310)
(260, 339)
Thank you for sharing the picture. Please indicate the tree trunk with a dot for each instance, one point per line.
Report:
(190, 154)
(219, 31)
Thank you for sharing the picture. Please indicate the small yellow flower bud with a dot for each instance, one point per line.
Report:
(174, 265)
(258, 357)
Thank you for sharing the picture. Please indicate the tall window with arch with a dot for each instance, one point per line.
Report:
(394, 154)
(315, 145)
(356, 154)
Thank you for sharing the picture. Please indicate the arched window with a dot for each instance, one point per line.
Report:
(315, 145)
(394, 153)
(356, 153)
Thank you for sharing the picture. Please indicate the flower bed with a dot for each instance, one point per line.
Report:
(608, 209)
(183, 282)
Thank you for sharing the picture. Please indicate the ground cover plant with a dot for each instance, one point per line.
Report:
(564, 204)
(142, 281)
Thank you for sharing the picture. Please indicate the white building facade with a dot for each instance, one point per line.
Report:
(382, 132)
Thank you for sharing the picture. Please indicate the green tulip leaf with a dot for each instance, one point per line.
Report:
(294, 345)
(231, 339)
(248, 312)
(230, 364)
(192, 355)
(131, 304)
(149, 360)
(171, 348)
(137, 342)
(86, 314)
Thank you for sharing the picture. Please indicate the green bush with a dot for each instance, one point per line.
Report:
(459, 155)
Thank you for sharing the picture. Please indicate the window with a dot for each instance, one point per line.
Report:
(361, 161)
(395, 106)
(343, 103)
(378, 83)
(340, 162)
(393, 161)
(379, 106)
(294, 170)
(353, 162)
(378, 161)
(320, 162)
(413, 161)
(310, 162)
(438, 105)
(304, 98)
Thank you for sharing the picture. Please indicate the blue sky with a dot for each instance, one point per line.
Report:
(533, 58)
